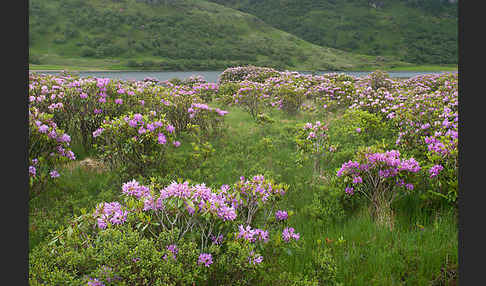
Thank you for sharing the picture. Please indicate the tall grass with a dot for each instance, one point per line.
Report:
(78, 188)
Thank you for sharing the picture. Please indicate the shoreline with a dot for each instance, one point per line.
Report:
(115, 71)
(77, 69)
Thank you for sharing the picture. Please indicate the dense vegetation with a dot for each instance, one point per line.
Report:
(266, 177)
(413, 31)
(172, 35)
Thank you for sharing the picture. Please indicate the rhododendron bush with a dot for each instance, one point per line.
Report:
(252, 98)
(313, 143)
(249, 73)
(48, 146)
(80, 105)
(423, 113)
(136, 143)
(379, 177)
(199, 228)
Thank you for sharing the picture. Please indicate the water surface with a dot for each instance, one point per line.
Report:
(212, 76)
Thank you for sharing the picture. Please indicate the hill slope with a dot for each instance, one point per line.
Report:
(171, 35)
(417, 31)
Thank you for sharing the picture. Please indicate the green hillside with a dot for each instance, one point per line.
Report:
(171, 35)
(416, 31)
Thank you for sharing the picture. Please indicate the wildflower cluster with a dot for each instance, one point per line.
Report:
(377, 176)
(81, 104)
(206, 259)
(281, 215)
(184, 106)
(253, 194)
(252, 235)
(249, 73)
(110, 213)
(137, 142)
(377, 169)
(332, 91)
(206, 91)
(289, 233)
(212, 217)
(422, 110)
(49, 147)
(289, 95)
(313, 141)
(252, 98)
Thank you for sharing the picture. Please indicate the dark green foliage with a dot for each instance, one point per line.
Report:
(292, 98)
(373, 131)
(327, 205)
(34, 59)
(117, 255)
(88, 52)
(412, 30)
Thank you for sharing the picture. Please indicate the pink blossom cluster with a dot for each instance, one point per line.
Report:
(378, 167)
(289, 233)
(242, 73)
(110, 213)
(197, 107)
(198, 199)
(252, 235)
(46, 141)
(257, 190)
(141, 126)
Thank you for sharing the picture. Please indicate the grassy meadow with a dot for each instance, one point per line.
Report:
(340, 243)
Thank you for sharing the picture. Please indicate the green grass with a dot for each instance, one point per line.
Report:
(33, 67)
(64, 198)
(408, 255)
(431, 68)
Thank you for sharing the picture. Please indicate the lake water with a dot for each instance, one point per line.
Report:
(210, 76)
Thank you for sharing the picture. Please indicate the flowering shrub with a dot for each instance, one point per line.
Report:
(332, 91)
(289, 97)
(427, 125)
(422, 113)
(379, 79)
(246, 73)
(79, 105)
(209, 119)
(358, 127)
(252, 98)
(137, 143)
(443, 167)
(48, 149)
(251, 195)
(313, 141)
(183, 107)
(194, 80)
(378, 176)
(218, 234)
(206, 91)
(226, 92)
